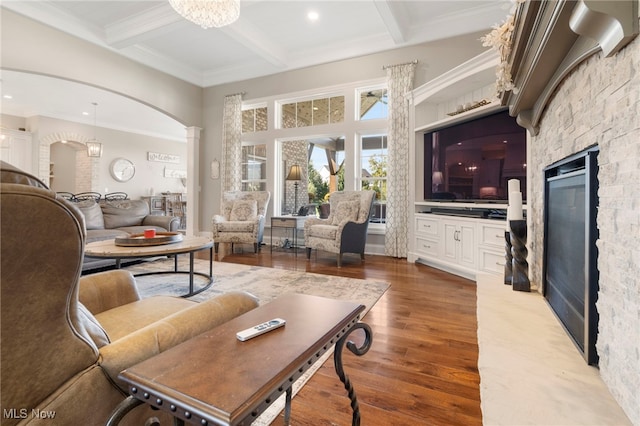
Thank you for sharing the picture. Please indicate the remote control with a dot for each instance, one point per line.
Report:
(259, 329)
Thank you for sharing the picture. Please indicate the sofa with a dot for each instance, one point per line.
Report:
(119, 218)
(66, 338)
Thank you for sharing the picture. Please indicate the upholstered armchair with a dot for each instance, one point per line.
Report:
(65, 339)
(345, 230)
(241, 219)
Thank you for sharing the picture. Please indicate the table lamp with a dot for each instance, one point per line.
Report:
(295, 174)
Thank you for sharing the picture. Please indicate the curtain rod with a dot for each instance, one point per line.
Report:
(384, 67)
(234, 94)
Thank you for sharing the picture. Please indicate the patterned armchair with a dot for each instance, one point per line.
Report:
(242, 218)
(345, 230)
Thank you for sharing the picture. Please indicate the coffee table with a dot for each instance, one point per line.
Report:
(215, 379)
(107, 249)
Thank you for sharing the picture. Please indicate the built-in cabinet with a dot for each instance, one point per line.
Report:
(16, 149)
(459, 245)
(458, 242)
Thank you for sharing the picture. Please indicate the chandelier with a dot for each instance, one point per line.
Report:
(94, 148)
(208, 13)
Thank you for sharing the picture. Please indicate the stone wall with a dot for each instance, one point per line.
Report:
(599, 104)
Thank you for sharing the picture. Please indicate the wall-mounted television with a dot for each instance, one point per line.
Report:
(473, 161)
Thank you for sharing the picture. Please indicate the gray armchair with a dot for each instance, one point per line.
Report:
(242, 218)
(345, 230)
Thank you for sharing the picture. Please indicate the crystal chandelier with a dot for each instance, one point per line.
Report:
(94, 148)
(208, 13)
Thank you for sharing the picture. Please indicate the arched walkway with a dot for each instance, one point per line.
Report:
(87, 168)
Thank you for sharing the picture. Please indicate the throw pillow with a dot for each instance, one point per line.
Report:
(92, 213)
(346, 211)
(244, 210)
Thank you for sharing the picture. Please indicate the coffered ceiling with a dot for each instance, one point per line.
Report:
(269, 37)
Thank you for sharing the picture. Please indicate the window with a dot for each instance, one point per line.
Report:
(373, 159)
(313, 112)
(373, 103)
(254, 120)
(326, 167)
(334, 148)
(254, 167)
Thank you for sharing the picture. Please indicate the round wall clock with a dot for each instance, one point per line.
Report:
(122, 169)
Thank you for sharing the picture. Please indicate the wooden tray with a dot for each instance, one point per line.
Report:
(138, 240)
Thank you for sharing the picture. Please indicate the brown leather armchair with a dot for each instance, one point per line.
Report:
(64, 338)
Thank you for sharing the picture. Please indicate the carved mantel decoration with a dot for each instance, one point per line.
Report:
(550, 38)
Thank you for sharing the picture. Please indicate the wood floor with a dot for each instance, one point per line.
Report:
(422, 366)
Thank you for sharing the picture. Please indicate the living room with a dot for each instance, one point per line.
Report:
(32, 47)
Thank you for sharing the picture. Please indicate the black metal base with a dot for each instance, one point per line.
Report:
(508, 259)
(359, 351)
(520, 279)
(191, 272)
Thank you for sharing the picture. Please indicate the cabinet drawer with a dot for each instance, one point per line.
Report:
(426, 226)
(492, 262)
(427, 246)
(492, 235)
(283, 222)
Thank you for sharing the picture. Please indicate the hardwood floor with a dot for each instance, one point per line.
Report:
(422, 368)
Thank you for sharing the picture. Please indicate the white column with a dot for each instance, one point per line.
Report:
(193, 180)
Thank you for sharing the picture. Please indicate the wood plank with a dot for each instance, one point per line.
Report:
(423, 364)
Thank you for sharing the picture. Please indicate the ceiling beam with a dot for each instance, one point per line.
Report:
(257, 41)
(392, 19)
(142, 26)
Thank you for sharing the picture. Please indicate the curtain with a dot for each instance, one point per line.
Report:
(399, 83)
(232, 143)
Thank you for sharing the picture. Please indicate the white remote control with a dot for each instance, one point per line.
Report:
(259, 329)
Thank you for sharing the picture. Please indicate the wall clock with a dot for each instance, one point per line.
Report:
(122, 169)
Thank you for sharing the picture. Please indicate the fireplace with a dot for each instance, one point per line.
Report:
(570, 274)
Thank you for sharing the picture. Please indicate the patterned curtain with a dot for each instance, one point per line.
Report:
(400, 82)
(231, 167)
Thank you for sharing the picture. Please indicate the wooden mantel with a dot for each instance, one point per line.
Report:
(551, 38)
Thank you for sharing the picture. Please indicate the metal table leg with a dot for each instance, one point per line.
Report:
(359, 351)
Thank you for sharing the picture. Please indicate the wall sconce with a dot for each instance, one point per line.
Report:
(214, 171)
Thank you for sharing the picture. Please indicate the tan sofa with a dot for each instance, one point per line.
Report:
(65, 338)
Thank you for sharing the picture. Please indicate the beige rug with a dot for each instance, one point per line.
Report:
(264, 283)
(530, 371)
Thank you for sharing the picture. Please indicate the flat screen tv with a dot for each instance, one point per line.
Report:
(473, 161)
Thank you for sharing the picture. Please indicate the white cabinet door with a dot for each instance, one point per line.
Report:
(467, 244)
(460, 242)
(450, 243)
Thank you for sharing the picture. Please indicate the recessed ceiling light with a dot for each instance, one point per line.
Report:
(7, 97)
(85, 113)
(313, 15)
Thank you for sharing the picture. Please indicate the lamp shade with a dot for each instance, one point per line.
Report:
(437, 178)
(295, 173)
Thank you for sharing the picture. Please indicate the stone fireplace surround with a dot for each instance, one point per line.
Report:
(598, 103)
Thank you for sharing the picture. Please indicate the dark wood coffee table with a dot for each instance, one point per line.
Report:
(215, 379)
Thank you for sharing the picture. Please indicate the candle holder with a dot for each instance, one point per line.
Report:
(508, 259)
(520, 267)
